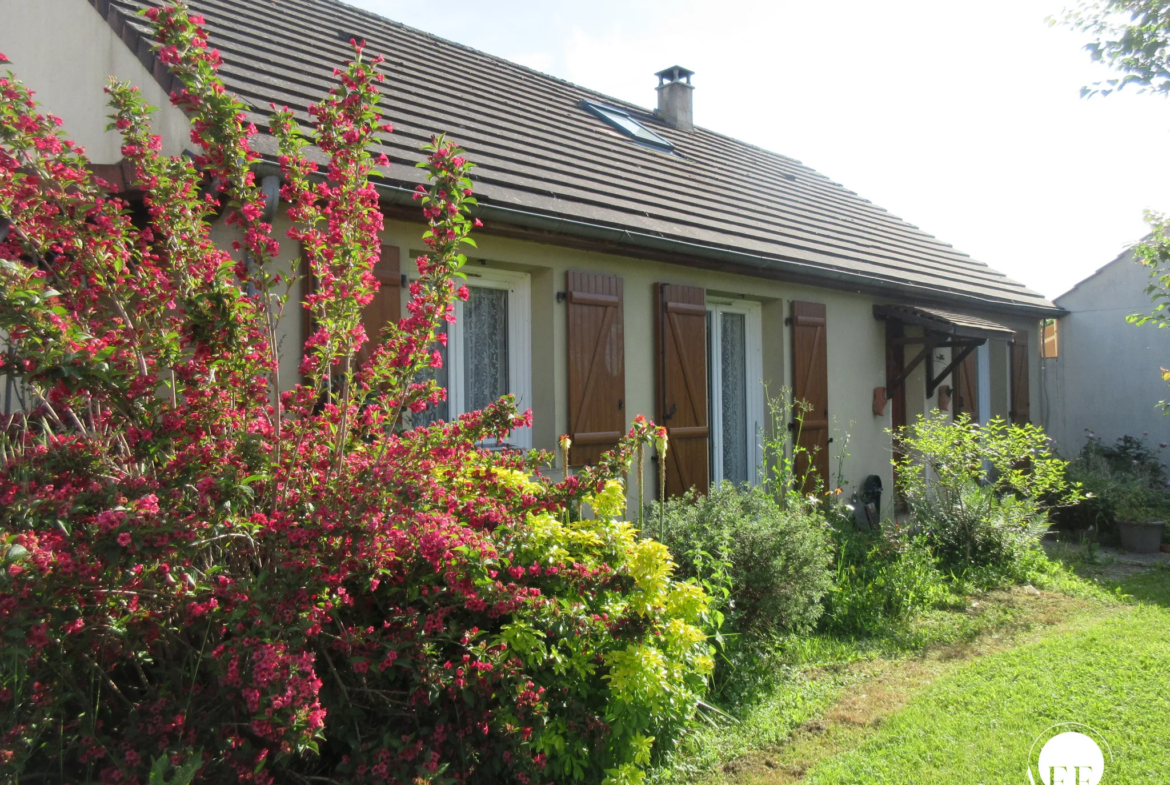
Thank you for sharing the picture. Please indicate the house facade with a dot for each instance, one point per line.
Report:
(1102, 375)
(630, 262)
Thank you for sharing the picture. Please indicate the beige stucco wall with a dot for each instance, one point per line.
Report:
(65, 52)
(855, 340)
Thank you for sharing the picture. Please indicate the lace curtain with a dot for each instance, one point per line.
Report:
(432, 414)
(483, 327)
(485, 347)
(733, 394)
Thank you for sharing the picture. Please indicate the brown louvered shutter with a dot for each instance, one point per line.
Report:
(1021, 412)
(597, 366)
(1050, 340)
(308, 286)
(810, 382)
(680, 332)
(386, 307)
(967, 387)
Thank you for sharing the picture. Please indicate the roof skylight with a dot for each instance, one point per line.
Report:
(621, 120)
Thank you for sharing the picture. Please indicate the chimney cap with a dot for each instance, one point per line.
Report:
(676, 73)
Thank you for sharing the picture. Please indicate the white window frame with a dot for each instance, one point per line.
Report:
(519, 287)
(983, 365)
(754, 369)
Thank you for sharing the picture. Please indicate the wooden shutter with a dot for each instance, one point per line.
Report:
(1021, 412)
(810, 382)
(1050, 340)
(967, 387)
(597, 366)
(308, 286)
(681, 369)
(386, 307)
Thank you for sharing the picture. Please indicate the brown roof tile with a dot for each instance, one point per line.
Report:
(540, 152)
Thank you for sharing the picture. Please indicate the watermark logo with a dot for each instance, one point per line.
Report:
(1070, 753)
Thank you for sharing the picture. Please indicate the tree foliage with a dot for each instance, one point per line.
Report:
(1130, 36)
(1133, 37)
(1154, 253)
(267, 586)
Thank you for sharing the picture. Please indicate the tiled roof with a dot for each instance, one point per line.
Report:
(540, 153)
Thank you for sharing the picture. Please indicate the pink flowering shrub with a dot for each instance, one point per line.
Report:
(202, 571)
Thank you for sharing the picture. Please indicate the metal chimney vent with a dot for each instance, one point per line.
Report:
(676, 73)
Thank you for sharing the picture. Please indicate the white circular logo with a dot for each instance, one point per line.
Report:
(1069, 758)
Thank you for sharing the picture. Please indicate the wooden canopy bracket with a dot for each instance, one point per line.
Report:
(932, 382)
(939, 329)
(930, 343)
(893, 384)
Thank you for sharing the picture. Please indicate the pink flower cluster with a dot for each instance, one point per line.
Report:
(272, 585)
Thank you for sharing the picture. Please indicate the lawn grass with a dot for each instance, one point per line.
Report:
(978, 725)
(817, 679)
(990, 680)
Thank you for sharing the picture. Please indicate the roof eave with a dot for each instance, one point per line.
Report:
(687, 252)
(939, 323)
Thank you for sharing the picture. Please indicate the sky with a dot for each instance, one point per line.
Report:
(963, 118)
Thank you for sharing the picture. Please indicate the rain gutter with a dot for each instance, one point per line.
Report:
(748, 263)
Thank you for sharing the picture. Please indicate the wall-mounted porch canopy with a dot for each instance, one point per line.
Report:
(940, 329)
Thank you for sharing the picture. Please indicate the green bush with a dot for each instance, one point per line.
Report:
(1129, 455)
(772, 564)
(880, 579)
(973, 526)
(1095, 512)
(1124, 480)
(254, 584)
(980, 493)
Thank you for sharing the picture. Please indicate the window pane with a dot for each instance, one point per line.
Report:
(733, 391)
(485, 347)
(629, 126)
(432, 414)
